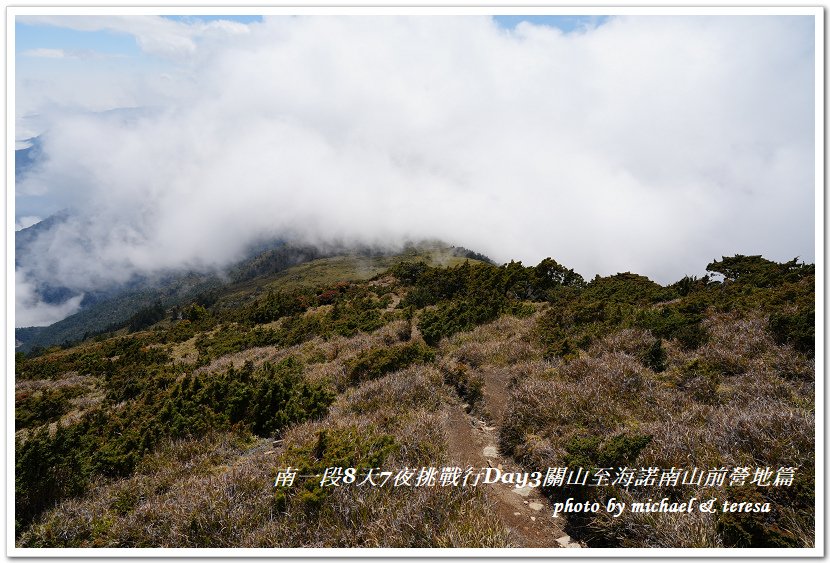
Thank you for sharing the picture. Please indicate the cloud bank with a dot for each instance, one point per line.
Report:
(648, 144)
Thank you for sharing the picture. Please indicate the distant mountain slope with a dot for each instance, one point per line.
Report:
(107, 310)
(25, 238)
(113, 310)
(24, 159)
(283, 266)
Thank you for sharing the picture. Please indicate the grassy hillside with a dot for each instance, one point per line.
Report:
(354, 266)
(283, 266)
(173, 435)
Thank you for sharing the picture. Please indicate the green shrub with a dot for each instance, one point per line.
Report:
(180, 331)
(349, 319)
(409, 272)
(264, 400)
(146, 317)
(371, 364)
(470, 295)
(345, 447)
(42, 407)
(654, 357)
(111, 442)
(590, 452)
(797, 330)
(751, 529)
(678, 322)
(758, 271)
(275, 305)
(445, 320)
(49, 468)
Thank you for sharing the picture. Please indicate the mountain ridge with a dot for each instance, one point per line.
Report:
(105, 311)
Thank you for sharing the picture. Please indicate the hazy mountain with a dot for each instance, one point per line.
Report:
(105, 309)
(26, 158)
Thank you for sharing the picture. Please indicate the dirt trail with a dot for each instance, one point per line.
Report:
(524, 510)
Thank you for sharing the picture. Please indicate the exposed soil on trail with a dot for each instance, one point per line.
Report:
(523, 510)
(496, 383)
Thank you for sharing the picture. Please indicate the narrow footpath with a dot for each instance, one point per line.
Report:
(524, 510)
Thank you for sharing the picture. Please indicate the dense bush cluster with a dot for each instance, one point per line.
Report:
(783, 292)
(460, 298)
(111, 439)
(42, 407)
(374, 363)
(146, 317)
(216, 491)
(703, 372)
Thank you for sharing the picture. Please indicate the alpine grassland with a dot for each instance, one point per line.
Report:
(170, 429)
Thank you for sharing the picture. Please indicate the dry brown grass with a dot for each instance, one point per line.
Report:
(738, 400)
(142, 510)
(505, 342)
(68, 379)
(416, 387)
(692, 530)
(741, 344)
(86, 389)
(184, 352)
(384, 517)
(217, 491)
(325, 357)
(631, 341)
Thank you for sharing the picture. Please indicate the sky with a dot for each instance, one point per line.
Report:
(651, 144)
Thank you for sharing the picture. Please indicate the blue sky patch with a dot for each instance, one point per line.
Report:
(29, 37)
(565, 23)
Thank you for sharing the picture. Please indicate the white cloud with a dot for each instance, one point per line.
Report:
(82, 54)
(650, 144)
(108, 81)
(25, 222)
(45, 53)
(154, 34)
(29, 310)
